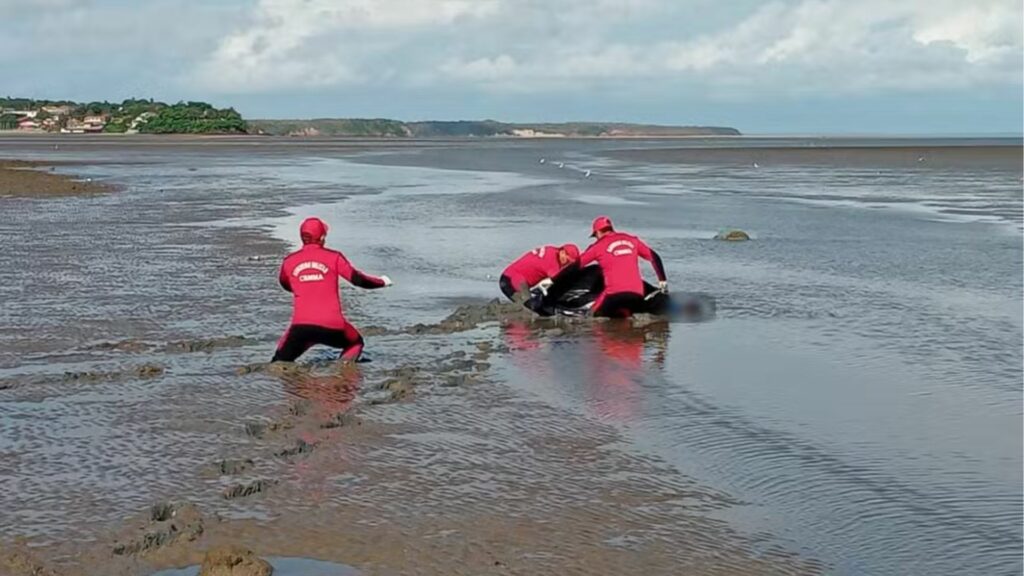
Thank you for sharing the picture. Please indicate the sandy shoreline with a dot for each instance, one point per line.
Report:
(35, 179)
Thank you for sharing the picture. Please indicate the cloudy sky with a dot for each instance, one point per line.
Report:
(784, 66)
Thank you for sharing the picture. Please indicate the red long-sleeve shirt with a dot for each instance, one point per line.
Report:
(618, 255)
(311, 275)
(534, 266)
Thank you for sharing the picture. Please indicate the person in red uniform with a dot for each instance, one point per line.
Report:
(618, 254)
(311, 275)
(535, 266)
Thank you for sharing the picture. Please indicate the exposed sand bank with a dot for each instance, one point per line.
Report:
(30, 179)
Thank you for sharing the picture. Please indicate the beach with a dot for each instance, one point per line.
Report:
(854, 408)
(21, 178)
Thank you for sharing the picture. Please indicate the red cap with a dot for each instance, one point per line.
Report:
(312, 230)
(572, 251)
(600, 223)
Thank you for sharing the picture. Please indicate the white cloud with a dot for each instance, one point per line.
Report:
(324, 42)
(782, 46)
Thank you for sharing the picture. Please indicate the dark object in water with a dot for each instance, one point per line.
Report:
(576, 290)
(732, 236)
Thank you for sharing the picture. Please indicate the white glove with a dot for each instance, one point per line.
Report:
(663, 286)
(544, 285)
(387, 281)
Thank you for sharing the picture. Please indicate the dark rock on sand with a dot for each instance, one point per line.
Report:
(255, 429)
(244, 490)
(259, 430)
(342, 419)
(456, 380)
(234, 561)
(300, 407)
(230, 467)
(149, 370)
(88, 376)
(457, 365)
(167, 525)
(300, 447)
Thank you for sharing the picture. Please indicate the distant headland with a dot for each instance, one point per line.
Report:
(141, 116)
(384, 128)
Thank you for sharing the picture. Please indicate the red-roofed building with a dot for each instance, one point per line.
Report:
(28, 124)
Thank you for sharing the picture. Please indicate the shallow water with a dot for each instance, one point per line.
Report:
(857, 401)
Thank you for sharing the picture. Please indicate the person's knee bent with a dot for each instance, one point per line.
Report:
(354, 350)
(505, 284)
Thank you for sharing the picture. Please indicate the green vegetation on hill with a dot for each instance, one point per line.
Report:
(468, 128)
(146, 116)
(194, 118)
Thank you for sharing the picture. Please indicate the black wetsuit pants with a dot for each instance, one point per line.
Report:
(620, 305)
(301, 337)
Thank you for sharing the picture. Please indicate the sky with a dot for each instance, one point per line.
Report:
(783, 66)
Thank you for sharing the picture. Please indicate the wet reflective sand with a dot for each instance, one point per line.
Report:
(853, 409)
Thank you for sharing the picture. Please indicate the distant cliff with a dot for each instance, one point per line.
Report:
(383, 128)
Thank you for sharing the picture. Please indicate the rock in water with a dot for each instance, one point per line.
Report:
(732, 236)
(234, 561)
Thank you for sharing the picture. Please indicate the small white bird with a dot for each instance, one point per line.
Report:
(920, 159)
(586, 174)
(561, 164)
(755, 165)
(543, 160)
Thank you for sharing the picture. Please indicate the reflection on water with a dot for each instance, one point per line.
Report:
(605, 364)
(329, 394)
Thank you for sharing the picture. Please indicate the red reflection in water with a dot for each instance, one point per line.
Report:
(608, 369)
(329, 395)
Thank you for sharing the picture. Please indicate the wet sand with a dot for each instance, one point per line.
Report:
(27, 179)
(331, 477)
(347, 471)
